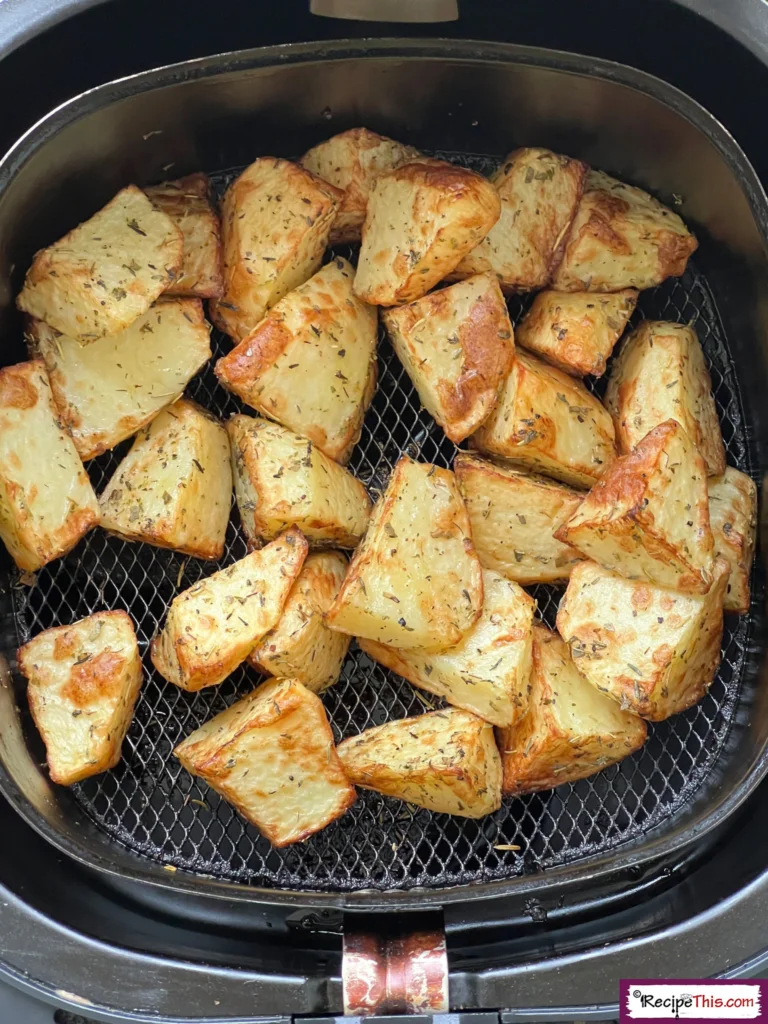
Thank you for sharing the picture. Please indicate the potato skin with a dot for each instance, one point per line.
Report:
(446, 761)
(733, 518)
(514, 518)
(421, 219)
(653, 651)
(548, 422)
(273, 240)
(271, 755)
(457, 345)
(83, 682)
(311, 363)
(571, 731)
(106, 272)
(621, 238)
(576, 331)
(660, 374)
(352, 161)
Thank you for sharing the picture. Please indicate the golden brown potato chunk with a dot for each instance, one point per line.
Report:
(188, 203)
(547, 421)
(282, 480)
(733, 517)
(271, 755)
(539, 192)
(621, 238)
(83, 681)
(106, 391)
(654, 651)
(488, 672)
(576, 331)
(514, 516)
(46, 500)
(446, 761)
(213, 627)
(421, 219)
(174, 487)
(106, 272)
(301, 646)
(311, 363)
(457, 347)
(352, 161)
(571, 731)
(647, 518)
(660, 374)
(275, 222)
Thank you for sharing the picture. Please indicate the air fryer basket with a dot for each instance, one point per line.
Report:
(471, 106)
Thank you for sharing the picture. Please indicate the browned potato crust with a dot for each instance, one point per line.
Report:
(733, 517)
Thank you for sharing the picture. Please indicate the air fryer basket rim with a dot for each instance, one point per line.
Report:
(117, 861)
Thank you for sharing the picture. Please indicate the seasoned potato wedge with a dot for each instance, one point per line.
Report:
(446, 761)
(283, 480)
(352, 161)
(547, 421)
(271, 755)
(46, 499)
(621, 238)
(514, 516)
(539, 192)
(660, 374)
(647, 518)
(108, 390)
(654, 651)
(311, 363)
(213, 627)
(275, 222)
(301, 646)
(488, 672)
(174, 487)
(733, 517)
(457, 347)
(571, 731)
(83, 681)
(415, 581)
(576, 331)
(421, 219)
(106, 272)
(188, 203)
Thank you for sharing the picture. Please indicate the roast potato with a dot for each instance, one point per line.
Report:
(733, 518)
(647, 518)
(488, 672)
(621, 238)
(576, 331)
(660, 374)
(311, 363)
(174, 487)
(106, 391)
(46, 500)
(271, 755)
(283, 480)
(352, 161)
(275, 222)
(106, 272)
(446, 761)
(421, 219)
(653, 651)
(571, 731)
(549, 422)
(457, 347)
(82, 685)
(539, 192)
(514, 516)
(415, 580)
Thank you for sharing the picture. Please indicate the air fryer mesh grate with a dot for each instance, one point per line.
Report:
(152, 806)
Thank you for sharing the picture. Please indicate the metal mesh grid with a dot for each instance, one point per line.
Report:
(152, 806)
